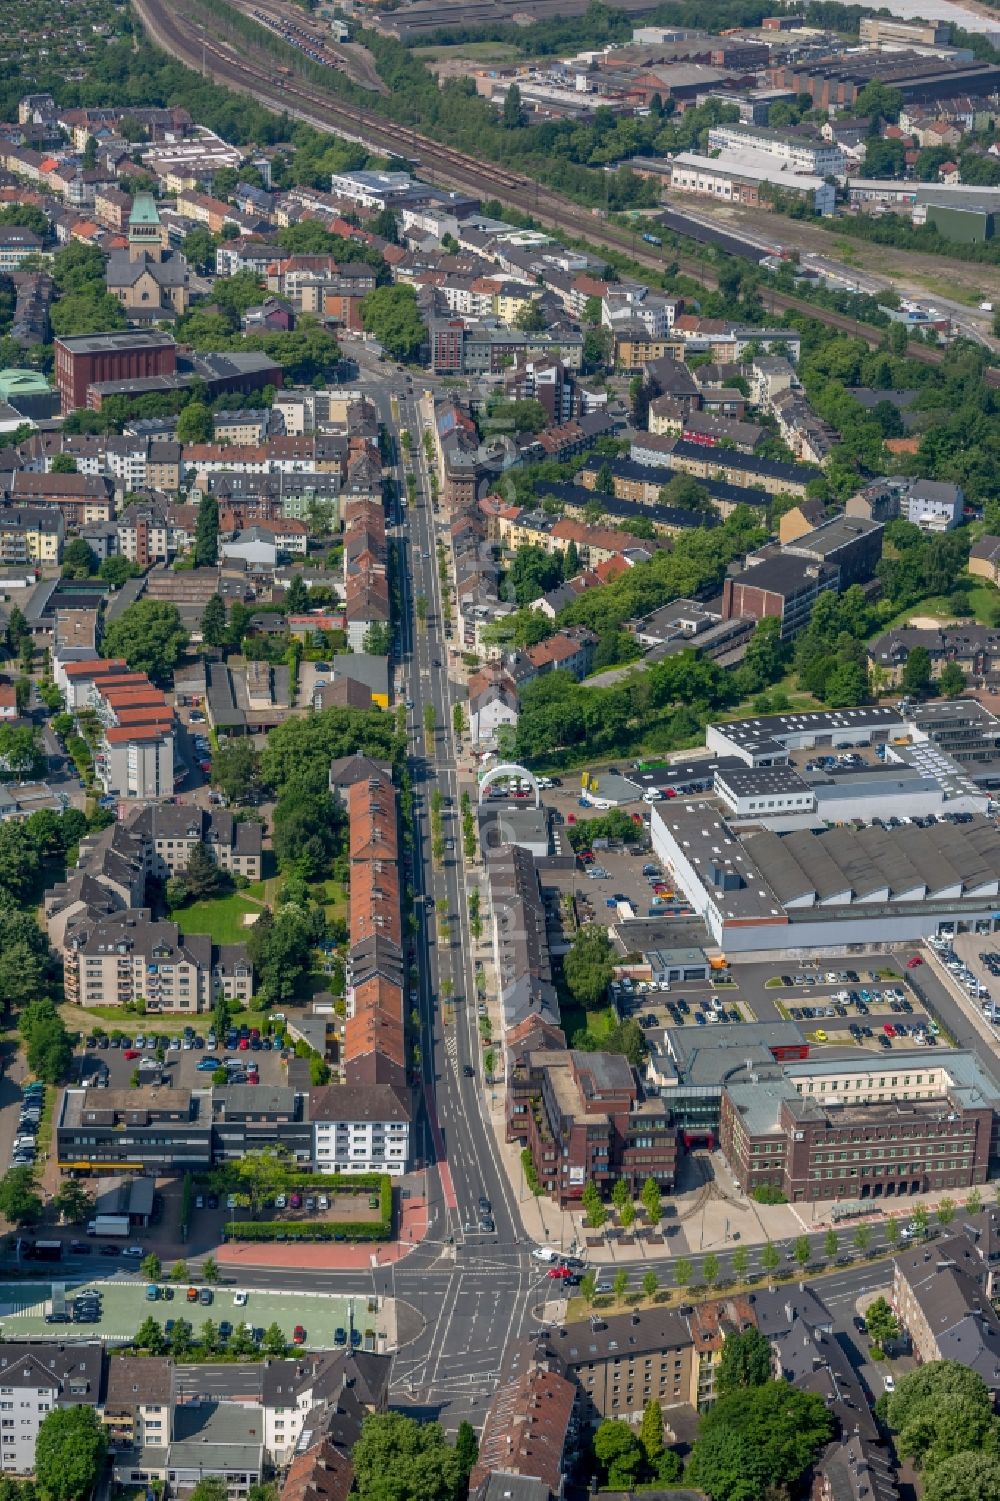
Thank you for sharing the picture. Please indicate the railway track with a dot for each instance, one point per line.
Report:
(234, 64)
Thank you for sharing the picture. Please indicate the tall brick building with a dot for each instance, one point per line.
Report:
(583, 1117)
(89, 358)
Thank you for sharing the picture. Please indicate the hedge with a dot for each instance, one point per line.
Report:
(306, 1230)
(368, 1183)
(323, 1229)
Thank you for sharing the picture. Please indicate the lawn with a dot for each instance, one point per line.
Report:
(480, 52)
(982, 599)
(221, 917)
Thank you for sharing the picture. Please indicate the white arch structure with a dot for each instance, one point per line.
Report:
(509, 769)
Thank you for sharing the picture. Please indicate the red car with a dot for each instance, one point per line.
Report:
(889, 1029)
(559, 1271)
(298, 1335)
(131, 1053)
(670, 792)
(244, 1044)
(914, 962)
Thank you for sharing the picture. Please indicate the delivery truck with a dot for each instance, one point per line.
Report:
(108, 1226)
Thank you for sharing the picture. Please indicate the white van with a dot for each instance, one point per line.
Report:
(652, 795)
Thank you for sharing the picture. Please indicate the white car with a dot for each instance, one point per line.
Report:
(135, 1251)
(890, 1383)
(545, 1253)
(239, 1300)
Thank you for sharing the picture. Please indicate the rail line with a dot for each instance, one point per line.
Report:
(230, 65)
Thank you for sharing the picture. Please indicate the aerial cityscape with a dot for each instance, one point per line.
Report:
(499, 750)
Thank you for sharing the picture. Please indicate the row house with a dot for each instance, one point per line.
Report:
(362, 1122)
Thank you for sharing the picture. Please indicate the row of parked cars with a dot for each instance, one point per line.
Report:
(970, 983)
(25, 1140)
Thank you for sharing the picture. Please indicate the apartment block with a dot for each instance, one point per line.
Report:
(128, 956)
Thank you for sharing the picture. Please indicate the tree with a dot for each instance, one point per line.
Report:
(150, 635)
(756, 1437)
(179, 1271)
(208, 1337)
(939, 1410)
(201, 878)
(946, 1212)
(770, 1258)
(590, 965)
(79, 560)
(513, 115)
(259, 1176)
(530, 318)
(150, 1267)
(274, 1342)
(63, 463)
(392, 314)
(620, 1285)
(421, 1463)
(214, 629)
(466, 1446)
(952, 680)
(73, 1203)
(651, 1201)
(69, 1453)
(683, 1272)
(802, 1251)
(296, 595)
(181, 1338)
(210, 1271)
(149, 1336)
(209, 1488)
(964, 1477)
(881, 1322)
(920, 1220)
(236, 771)
(862, 1238)
(831, 1241)
(651, 1432)
(710, 1269)
(650, 1284)
(620, 1193)
(745, 1361)
(194, 423)
(19, 1201)
(206, 533)
(618, 1450)
(588, 1287)
(917, 671)
(892, 1232)
(49, 1048)
(741, 1263)
(116, 569)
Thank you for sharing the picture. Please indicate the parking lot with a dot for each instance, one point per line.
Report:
(190, 1067)
(124, 1305)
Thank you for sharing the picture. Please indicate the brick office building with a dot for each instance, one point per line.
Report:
(90, 359)
(883, 1129)
(583, 1117)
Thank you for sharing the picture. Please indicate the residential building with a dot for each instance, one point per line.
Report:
(984, 559)
(361, 1129)
(169, 834)
(35, 1381)
(622, 1362)
(933, 505)
(528, 1432)
(128, 956)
